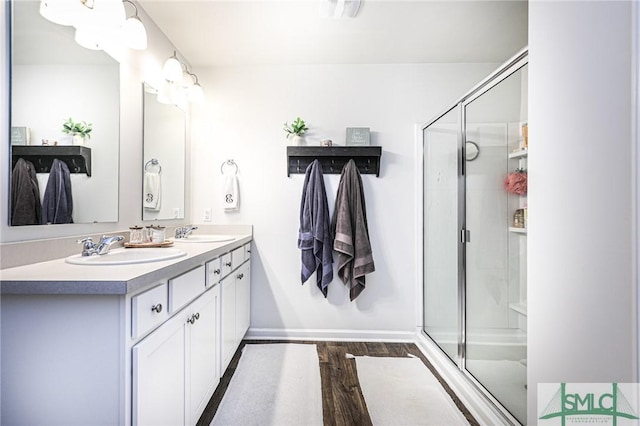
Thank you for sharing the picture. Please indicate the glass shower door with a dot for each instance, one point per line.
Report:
(495, 255)
(441, 221)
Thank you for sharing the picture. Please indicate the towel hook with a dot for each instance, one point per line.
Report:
(229, 162)
(153, 162)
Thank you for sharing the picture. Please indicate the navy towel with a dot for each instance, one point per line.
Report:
(314, 236)
(57, 206)
(25, 195)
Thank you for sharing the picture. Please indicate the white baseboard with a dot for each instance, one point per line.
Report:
(331, 335)
(476, 402)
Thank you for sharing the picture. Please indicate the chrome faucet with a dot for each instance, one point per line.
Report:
(89, 248)
(184, 231)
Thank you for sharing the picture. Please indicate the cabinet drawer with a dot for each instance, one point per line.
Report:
(214, 271)
(227, 265)
(185, 288)
(237, 257)
(247, 251)
(148, 310)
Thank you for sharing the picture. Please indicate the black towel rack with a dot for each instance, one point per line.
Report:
(77, 158)
(333, 158)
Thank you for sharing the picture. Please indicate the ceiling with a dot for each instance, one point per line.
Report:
(238, 32)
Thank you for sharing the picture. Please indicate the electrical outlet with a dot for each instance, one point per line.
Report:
(206, 215)
(176, 213)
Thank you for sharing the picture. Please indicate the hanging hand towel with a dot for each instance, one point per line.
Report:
(57, 205)
(152, 191)
(314, 236)
(351, 233)
(230, 192)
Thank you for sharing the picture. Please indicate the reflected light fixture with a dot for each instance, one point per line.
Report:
(172, 69)
(196, 94)
(133, 33)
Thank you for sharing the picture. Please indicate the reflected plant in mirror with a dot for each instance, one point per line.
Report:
(164, 158)
(52, 79)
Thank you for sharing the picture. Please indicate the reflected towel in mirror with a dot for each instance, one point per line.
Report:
(152, 191)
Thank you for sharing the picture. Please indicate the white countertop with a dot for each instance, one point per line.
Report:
(59, 277)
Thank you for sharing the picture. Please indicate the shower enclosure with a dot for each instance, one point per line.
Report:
(475, 235)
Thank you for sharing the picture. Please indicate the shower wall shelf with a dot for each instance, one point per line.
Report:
(519, 154)
(333, 158)
(77, 158)
(518, 230)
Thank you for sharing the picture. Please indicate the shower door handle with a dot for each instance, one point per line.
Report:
(465, 236)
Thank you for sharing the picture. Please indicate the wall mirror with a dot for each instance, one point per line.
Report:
(54, 79)
(164, 158)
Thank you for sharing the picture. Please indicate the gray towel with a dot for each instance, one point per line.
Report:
(57, 205)
(25, 195)
(351, 232)
(314, 236)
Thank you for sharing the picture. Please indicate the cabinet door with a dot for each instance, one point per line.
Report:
(227, 320)
(243, 300)
(201, 369)
(158, 376)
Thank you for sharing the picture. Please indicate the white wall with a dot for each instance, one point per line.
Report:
(136, 67)
(243, 120)
(582, 307)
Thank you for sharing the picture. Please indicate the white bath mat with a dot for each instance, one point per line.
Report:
(402, 391)
(274, 384)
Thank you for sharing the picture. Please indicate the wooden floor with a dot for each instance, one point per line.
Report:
(342, 400)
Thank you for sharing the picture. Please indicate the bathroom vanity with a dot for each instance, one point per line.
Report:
(135, 344)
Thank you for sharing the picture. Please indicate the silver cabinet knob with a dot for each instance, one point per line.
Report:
(228, 264)
(216, 271)
(157, 308)
(193, 318)
(241, 276)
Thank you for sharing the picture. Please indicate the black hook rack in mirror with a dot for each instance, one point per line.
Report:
(77, 158)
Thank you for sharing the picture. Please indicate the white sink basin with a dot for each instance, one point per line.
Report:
(204, 238)
(127, 256)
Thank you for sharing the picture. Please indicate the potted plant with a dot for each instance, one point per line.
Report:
(79, 131)
(296, 130)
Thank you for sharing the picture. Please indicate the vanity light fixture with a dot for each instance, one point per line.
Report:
(196, 94)
(97, 22)
(172, 69)
(61, 12)
(133, 32)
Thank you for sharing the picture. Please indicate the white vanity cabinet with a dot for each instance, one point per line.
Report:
(235, 306)
(174, 368)
(128, 346)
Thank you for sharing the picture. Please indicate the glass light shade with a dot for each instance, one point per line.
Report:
(134, 34)
(196, 95)
(61, 12)
(187, 81)
(103, 15)
(166, 93)
(88, 38)
(172, 70)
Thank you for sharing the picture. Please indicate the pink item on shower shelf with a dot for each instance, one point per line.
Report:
(516, 183)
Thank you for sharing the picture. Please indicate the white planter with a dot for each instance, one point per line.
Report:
(78, 140)
(297, 140)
